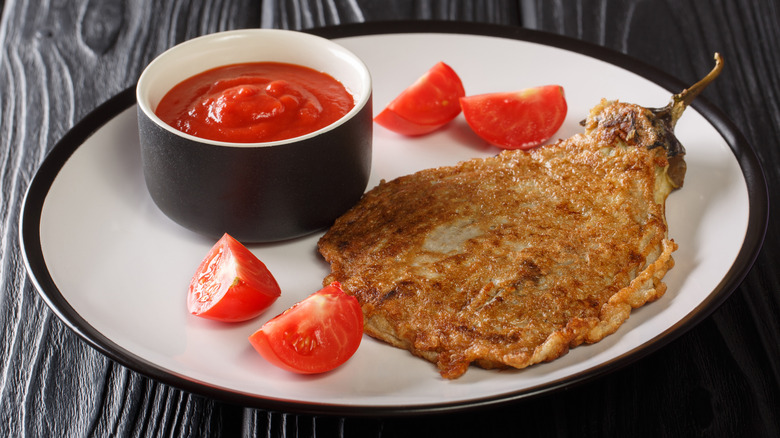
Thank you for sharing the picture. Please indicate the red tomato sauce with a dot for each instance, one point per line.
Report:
(255, 102)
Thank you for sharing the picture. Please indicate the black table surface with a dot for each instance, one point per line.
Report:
(61, 59)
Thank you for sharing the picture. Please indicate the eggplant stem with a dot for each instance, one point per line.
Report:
(666, 118)
(686, 97)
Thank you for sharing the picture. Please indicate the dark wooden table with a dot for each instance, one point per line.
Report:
(60, 60)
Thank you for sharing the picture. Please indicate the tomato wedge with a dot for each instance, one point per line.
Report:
(315, 335)
(516, 120)
(231, 284)
(426, 105)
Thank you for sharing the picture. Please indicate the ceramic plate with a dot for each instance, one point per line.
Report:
(116, 270)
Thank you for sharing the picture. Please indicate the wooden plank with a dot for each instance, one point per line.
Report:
(306, 14)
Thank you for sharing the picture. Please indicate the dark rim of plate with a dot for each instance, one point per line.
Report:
(38, 189)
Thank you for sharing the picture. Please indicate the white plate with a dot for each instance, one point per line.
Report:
(116, 270)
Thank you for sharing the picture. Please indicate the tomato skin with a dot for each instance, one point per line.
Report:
(394, 122)
(231, 284)
(315, 335)
(428, 104)
(516, 120)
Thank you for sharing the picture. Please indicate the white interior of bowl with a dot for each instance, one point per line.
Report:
(251, 45)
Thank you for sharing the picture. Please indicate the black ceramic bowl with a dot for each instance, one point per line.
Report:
(257, 192)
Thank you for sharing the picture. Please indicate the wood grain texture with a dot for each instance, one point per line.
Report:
(60, 59)
(306, 14)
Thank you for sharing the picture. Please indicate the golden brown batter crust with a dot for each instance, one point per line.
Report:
(511, 260)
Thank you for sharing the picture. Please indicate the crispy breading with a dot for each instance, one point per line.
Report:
(511, 260)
